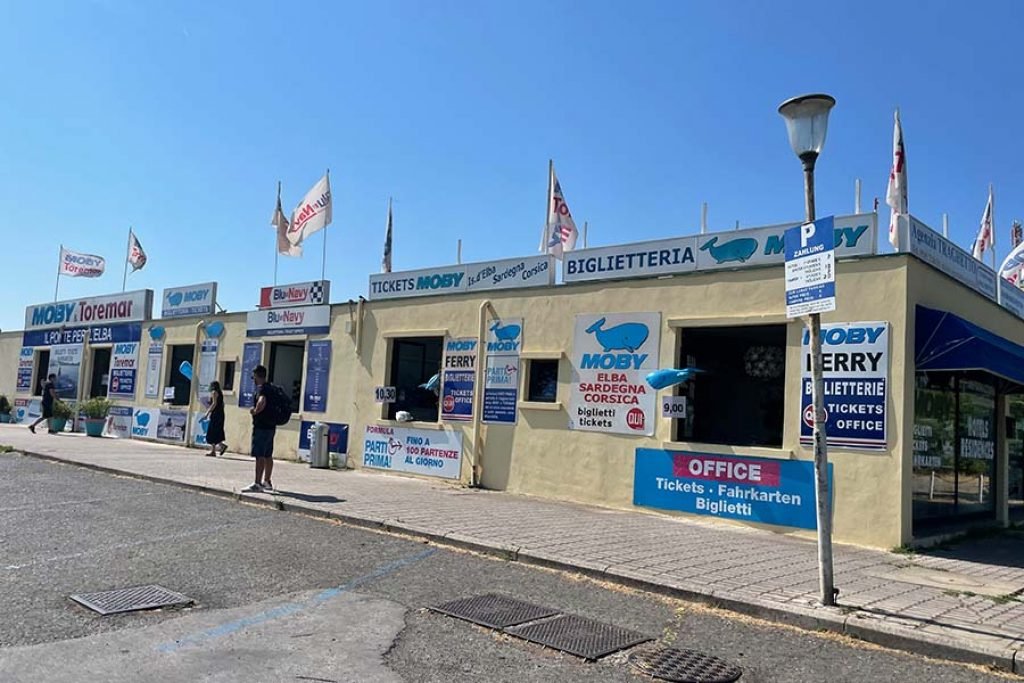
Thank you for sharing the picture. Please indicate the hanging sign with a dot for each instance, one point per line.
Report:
(856, 369)
(154, 363)
(458, 379)
(501, 378)
(611, 355)
(26, 369)
(811, 268)
(431, 452)
(124, 370)
(318, 376)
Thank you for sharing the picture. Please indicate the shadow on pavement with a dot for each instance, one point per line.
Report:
(306, 498)
(1004, 548)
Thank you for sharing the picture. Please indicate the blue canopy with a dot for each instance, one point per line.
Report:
(948, 342)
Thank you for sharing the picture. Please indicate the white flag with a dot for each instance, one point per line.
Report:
(136, 256)
(561, 233)
(986, 234)
(280, 224)
(76, 264)
(896, 194)
(313, 213)
(1012, 264)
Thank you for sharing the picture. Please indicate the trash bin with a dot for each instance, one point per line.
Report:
(319, 440)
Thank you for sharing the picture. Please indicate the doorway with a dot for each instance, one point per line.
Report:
(42, 367)
(100, 378)
(181, 384)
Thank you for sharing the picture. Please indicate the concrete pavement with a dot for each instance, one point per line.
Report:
(953, 604)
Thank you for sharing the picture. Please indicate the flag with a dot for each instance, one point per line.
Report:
(986, 235)
(896, 194)
(312, 214)
(136, 254)
(560, 233)
(385, 265)
(280, 224)
(1012, 264)
(1016, 234)
(77, 264)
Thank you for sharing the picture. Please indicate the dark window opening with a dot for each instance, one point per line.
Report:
(414, 362)
(227, 375)
(543, 380)
(100, 373)
(175, 378)
(738, 398)
(42, 370)
(285, 369)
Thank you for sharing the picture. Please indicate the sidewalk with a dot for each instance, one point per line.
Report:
(955, 604)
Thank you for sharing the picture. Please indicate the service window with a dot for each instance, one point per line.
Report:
(285, 368)
(542, 380)
(414, 363)
(176, 379)
(226, 375)
(738, 398)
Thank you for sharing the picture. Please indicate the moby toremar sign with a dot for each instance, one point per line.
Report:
(854, 236)
(530, 271)
(99, 310)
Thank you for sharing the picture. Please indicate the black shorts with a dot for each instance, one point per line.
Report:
(47, 411)
(263, 442)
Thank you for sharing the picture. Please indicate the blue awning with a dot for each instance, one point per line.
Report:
(948, 342)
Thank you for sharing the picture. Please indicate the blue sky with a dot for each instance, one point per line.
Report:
(179, 118)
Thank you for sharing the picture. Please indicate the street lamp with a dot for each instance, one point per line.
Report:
(807, 122)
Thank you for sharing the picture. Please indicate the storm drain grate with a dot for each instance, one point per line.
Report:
(578, 636)
(494, 611)
(684, 666)
(131, 599)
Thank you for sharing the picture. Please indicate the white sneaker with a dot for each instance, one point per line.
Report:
(253, 488)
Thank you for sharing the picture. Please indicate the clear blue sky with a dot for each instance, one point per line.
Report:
(179, 118)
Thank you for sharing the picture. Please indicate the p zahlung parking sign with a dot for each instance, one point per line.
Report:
(810, 268)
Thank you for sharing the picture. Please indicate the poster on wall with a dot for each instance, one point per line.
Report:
(856, 371)
(171, 425)
(763, 490)
(458, 379)
(207, 369)
(337, 439)
(66, 363)
(501, 372)
(611, 355)
(26, 370)
(119, 422)
(318, 375)
(431, 452)
(124, 370)
(27, 410)
(154, 363)
(252, 353)
(144, 423)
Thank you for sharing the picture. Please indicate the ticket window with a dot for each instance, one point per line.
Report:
(100, 376)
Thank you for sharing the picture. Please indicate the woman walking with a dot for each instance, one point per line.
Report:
(215, 414)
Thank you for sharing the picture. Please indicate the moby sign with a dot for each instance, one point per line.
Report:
(627, 336)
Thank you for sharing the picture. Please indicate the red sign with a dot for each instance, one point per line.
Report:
(635, 419)
(735, 470)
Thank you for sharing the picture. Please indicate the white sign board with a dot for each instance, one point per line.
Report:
(673, 407)
(144, 423)
(312, 293)
(501, 371)
(611, 354)
(529, 271)
(385, 394)
(297, 320)
(432, 452)
(810, 268)
(947, 257)
(154, 363)
(191, 300)
(99, 310)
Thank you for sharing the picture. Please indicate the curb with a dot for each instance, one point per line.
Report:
(856, 624)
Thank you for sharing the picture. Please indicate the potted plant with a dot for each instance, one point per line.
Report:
(61, 414)
(95, 411)
(5, 409)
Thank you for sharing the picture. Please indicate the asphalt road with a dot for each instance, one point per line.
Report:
(283, 597)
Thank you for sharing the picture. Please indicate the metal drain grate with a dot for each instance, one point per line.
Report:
(684, 666)
(494, 611)
(584, 638)
(131, 599)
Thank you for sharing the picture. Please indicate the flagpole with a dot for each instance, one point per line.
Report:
(128, 253)
(277, 251)
(992, 199)
(585, 234)
(458, 252)
(56, 289)
(323, 263)
(547, 207)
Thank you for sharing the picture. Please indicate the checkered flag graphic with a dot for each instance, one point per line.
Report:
(316, 293)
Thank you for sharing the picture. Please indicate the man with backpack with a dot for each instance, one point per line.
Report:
(272, 409)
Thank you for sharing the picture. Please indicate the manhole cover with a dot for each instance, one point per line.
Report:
(584, 638)
(494, 611)
(131, 599)
(684, 666)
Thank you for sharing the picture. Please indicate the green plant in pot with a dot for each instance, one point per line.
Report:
(95, 411)
(5, 409)
(61, 414)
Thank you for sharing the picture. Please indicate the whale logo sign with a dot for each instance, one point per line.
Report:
(506, 332)
(176, 298)
(626, 336)
(215, 329)
(739, 249)
(142, 418)
(156, 332)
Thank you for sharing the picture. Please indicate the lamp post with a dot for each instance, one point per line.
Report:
(806, 122)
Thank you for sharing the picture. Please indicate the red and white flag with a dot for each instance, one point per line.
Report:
(280, 224)
(896, 194)
(560, 232)
(77, 264)
(312, 214)
(986, 238)
(136, 255)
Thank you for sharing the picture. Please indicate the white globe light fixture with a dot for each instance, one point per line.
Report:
(807, 122)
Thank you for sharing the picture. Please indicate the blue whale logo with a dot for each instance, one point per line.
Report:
(506, 332)
(739, 249)
(141, 418)
(156, 332)
(627, 336)
(176, 298)
(215, 329)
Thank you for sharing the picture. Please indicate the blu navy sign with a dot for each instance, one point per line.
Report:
(100, 310)
(458, 379)
(810, 268)
(501, 379)
(191, 300)
(854, 236)
(288, 321)
(610, 356)
(767, 491)
(312, 293)
(530, 271)
(856, 369)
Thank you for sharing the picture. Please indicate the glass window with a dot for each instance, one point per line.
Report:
(977, 447)
(543, 384)
(227, 375)
(415, 364)
(738, 398)
(285, 369)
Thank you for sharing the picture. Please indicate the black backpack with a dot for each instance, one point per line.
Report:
(278, 405)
